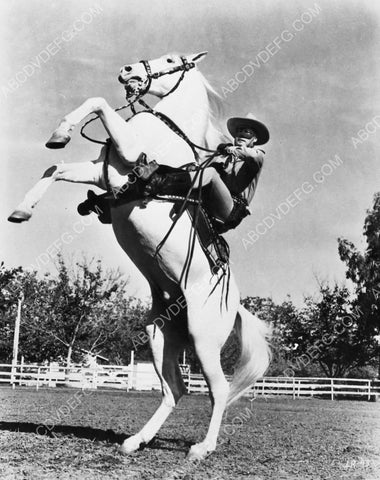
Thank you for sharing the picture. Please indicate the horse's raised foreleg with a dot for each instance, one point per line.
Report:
(165, 348)
(86, 172)
(121, 133)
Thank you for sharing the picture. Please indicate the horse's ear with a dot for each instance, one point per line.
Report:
(197, 57)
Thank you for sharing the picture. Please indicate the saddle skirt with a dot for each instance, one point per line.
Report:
(215, 247)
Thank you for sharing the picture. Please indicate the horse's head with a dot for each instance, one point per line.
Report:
(158, 77)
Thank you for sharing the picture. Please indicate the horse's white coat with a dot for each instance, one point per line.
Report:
(139, 228)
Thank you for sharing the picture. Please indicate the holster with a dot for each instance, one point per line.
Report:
(173, 183)
(132, 190)
(145, 169)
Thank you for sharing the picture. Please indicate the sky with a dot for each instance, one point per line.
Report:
(313, 80)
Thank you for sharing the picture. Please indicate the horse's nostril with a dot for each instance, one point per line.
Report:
(128, 68)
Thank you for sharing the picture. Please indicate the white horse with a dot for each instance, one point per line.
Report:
(203, 318)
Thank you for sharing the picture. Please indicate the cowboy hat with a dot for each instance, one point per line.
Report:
(249, 121)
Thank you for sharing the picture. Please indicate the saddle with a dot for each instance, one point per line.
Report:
(206, 227)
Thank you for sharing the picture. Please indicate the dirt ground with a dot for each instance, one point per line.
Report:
(69, 434)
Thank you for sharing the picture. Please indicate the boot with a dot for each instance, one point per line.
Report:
(176, 183)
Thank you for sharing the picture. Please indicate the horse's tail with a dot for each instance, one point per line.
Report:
(254, 336)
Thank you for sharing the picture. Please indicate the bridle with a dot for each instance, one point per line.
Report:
(185, 67)
(142, 89)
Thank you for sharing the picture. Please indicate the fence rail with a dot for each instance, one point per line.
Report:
(312, 387)
(143, 377)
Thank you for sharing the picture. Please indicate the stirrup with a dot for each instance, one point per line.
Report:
(98, 204)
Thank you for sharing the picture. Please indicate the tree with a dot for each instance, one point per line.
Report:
(82, 308)
(326, 332)
(363, 269)
(126, 318)
(9, 294)
(81, 299)
(14, 284)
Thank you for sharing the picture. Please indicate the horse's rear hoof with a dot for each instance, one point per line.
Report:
(58, 140)
(19, 216)
(198, 452)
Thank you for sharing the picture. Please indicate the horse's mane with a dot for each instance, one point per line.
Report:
(214, 134)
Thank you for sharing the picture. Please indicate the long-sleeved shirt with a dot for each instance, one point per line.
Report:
(241, 171)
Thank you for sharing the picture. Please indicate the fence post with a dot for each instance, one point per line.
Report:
(294, 388)
(15, 342)
(369, 390)
(332, 388)
(21, 369)
(13, 377)
(374, 389)
(38, 377)
(263, 389)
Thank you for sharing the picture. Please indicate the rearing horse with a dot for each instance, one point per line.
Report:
(140, 227)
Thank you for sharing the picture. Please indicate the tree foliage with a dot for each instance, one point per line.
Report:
(83, 308)
(325, 333)
(363, 269)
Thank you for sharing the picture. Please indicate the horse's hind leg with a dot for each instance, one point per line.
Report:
(208, 354)
(166, 346)
(209, 328)
(85, 172)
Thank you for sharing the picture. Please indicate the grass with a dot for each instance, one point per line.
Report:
(66, 434)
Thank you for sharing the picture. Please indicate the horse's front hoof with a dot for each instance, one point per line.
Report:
(58, 140)
(19, 216)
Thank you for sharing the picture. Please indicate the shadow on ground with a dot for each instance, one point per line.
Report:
(92, 434)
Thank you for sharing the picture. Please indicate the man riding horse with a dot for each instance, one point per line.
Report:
(229, 183)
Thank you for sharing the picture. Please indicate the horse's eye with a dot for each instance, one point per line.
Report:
(169, 60)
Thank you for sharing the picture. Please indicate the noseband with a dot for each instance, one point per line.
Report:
(185, 67)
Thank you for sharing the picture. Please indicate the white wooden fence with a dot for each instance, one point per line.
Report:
(141, 376)
(302, 387)
(317, 387)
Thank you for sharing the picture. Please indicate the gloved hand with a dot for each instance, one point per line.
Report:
(231, 150)
(222, 148)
